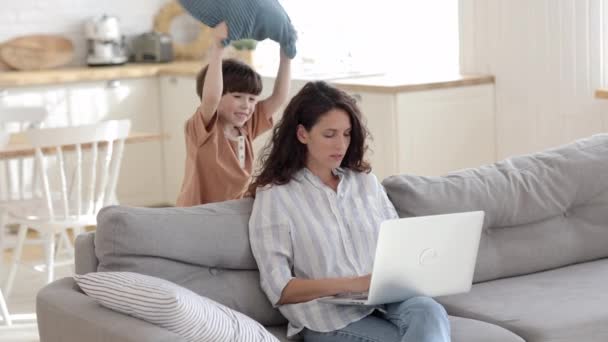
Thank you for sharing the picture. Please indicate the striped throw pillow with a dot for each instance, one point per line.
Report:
(170, 306)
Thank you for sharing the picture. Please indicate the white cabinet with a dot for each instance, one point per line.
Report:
(89, 102)
(446, 129)
(142, 173)
(429, 132)
(426, 132)
(177, 104)
(379, 113)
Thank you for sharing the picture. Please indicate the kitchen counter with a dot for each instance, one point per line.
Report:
(381, 83)
(84, 74)
(602, 93)
(392, 83)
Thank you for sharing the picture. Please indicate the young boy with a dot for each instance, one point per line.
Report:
(219, 135)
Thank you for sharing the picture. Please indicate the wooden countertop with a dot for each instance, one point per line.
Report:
(391, 83)
(84, 74)
(602, 93)
(377, 83)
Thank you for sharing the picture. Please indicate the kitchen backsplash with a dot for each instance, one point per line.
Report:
(67, 18)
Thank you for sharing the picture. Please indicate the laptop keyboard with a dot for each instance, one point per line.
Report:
(353, 295)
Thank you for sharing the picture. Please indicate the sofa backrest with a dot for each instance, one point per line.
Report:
(543, 210)
(204, 248)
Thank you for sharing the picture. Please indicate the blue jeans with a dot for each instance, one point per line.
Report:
(418, 319)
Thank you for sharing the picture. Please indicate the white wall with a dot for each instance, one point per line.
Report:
(67, 17)
(548, 57)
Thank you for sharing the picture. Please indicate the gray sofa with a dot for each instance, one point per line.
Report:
(541, 273)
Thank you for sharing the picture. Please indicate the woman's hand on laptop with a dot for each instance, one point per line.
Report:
(300, 290)
(361, 283)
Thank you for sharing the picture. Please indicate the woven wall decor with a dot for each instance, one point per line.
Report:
(191, 50)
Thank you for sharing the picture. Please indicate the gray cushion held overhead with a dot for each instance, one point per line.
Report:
(247, 19)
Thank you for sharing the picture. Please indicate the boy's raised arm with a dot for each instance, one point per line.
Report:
(280, 91)
(213, 86)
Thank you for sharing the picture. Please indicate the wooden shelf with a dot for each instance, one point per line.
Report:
(602, 93)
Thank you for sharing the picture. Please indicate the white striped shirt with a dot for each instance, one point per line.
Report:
(305, 229)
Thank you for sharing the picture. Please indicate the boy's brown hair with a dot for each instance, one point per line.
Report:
(238, 77)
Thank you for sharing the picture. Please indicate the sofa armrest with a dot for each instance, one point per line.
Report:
(84, 246)
(65, 314)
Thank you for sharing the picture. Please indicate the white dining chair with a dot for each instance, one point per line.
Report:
(18, 177)
(6, 317)
(17, 119)
(14, 173)
(17, 172)
(4, 138)
(79, 168)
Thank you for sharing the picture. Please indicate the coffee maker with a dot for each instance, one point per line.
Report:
(106, 45)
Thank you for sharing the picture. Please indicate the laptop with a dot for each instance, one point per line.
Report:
(421, 256)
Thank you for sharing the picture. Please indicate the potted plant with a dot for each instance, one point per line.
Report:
(244, 50)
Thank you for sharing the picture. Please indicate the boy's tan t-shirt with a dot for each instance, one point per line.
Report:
(213, 172)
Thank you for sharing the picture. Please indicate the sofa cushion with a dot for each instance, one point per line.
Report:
(543, 210)
(565, 304)
(213, 235)
(62, 304)
(255, 19)
(204, 249)
(172, 307)
(471, 330)
(462, 330)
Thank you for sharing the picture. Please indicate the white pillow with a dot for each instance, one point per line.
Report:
(172, 307)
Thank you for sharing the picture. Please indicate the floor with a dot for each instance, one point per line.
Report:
(21, 303)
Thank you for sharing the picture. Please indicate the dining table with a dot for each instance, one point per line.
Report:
(19, 147)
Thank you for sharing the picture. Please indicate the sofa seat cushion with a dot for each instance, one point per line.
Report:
(172, 307)
(280, 332)
(463, 330)
(64, 313)
(565, 304)
(61, 304)
(471, 330)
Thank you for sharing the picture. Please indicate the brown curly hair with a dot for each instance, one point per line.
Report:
(284, 154)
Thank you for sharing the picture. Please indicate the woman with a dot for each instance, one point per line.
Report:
(315, 222)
